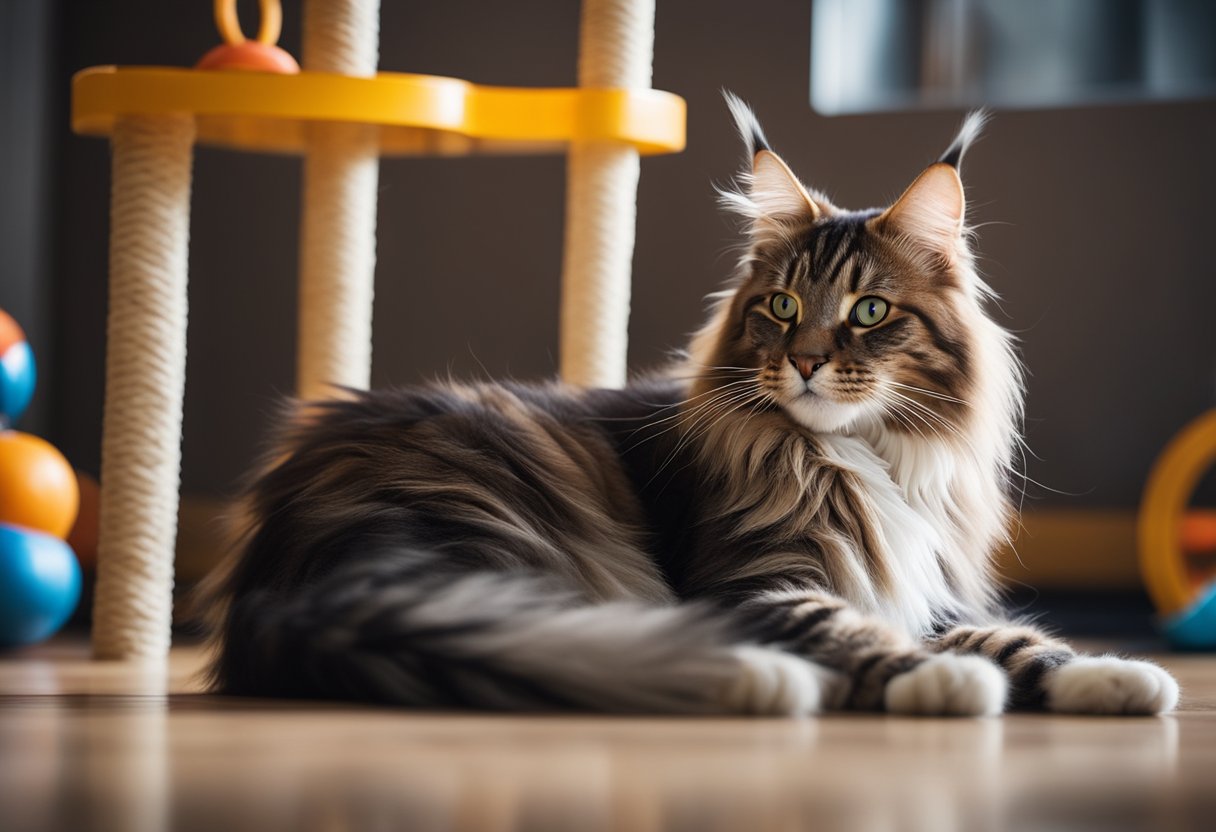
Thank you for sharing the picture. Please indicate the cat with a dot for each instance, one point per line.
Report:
(797, 516)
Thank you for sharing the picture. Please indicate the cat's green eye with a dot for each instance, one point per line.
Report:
(869, 311)
(784, 306)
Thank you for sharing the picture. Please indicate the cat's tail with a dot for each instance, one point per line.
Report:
(404, 630)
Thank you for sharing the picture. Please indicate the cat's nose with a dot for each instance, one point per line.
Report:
(806, 365)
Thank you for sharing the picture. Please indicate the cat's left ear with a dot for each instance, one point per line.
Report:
(933, 208)
(772, 196)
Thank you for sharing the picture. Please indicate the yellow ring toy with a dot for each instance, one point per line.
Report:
(1170, 485)
(229, 23)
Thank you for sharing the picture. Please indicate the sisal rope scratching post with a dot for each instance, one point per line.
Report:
(145, 381)
(338, 234)
(616, 48)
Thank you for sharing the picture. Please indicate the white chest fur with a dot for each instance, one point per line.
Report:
(908, 491)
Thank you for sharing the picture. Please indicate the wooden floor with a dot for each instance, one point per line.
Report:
(93, 746)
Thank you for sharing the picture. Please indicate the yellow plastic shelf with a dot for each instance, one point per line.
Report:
(416, 114)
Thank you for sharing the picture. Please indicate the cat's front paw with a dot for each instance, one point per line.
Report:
(769, 682)
(948, 685)
(1109, 685)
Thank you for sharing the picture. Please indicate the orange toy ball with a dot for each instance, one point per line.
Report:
(249, 56)
(37, 486)
(10, 332)
(83, 537)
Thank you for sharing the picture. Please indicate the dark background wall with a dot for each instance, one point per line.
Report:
(1096, 231)
(26, 106)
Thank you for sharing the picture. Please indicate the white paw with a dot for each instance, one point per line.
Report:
(1109, 685)
(773, 683)
(949, 685)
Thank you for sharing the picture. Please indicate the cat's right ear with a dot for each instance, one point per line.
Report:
(932, 210)
(771, 196)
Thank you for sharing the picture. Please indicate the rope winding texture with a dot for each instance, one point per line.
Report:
(145, 381)
(338, 233)
(616, 48)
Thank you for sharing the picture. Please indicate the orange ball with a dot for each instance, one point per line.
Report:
(250, 56)
(37, 486)
(83, 537)
(10, 332)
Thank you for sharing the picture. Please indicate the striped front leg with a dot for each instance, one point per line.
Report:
(881, 669)
(1046, 674)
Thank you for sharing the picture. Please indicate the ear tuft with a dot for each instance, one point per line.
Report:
(747, 125)
(972, 126)
(771, 196)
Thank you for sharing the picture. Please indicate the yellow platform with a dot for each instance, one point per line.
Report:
(416, 114)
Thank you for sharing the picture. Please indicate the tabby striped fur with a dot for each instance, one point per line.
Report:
(797, 516)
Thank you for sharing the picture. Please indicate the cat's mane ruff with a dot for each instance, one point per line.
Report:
(932, 546)
(963, 478)
(932, 542)
(874, 549)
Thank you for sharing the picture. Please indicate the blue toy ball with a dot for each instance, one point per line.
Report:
(17, 377)
(1194, 628)
(39, 585)
(17, 371)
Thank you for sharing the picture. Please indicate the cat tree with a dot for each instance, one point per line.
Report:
(342, 116)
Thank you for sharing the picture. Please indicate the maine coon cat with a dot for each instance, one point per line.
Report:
(798, 516)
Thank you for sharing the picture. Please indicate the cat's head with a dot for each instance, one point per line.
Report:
(843, 318)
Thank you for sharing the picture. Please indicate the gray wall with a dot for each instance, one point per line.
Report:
(1096, 226)
(26, 62)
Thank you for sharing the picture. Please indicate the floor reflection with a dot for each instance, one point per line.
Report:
(139, 760)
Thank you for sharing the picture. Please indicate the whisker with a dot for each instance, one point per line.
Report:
(892, 408)
(660, 408)
(935, 420)
(715, 414)
(928, 411)
(722, 394)
(932, 393)
(721, 407)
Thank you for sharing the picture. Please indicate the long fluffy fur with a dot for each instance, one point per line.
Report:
(797, 515)
(403, 628)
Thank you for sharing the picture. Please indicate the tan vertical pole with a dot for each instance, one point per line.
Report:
(616, 48)
(145, 382)
(338, 233)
